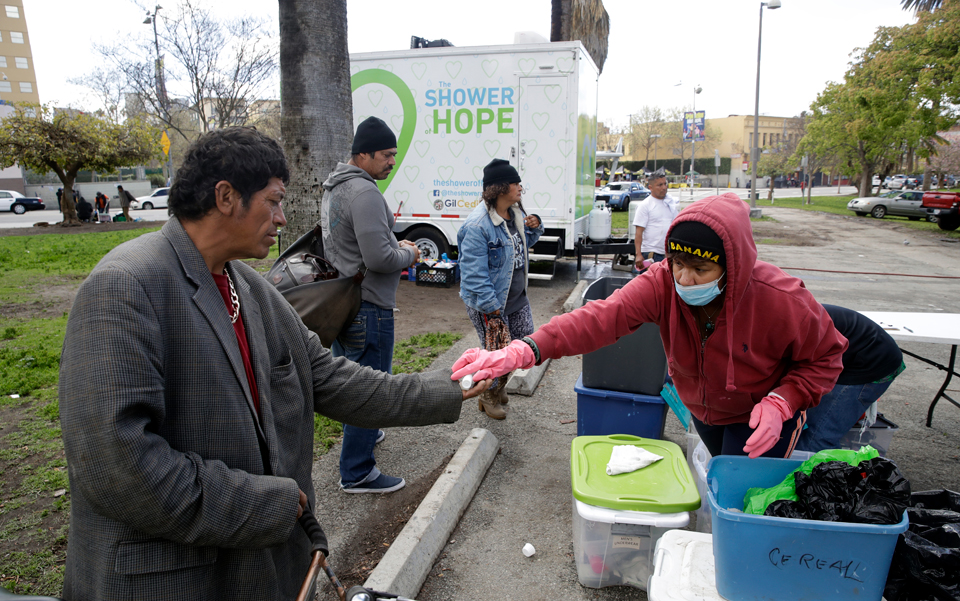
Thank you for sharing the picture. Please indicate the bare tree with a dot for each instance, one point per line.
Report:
(648, 122)
(106, 92)
(317, 117)
(214, 70)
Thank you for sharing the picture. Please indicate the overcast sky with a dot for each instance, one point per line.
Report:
(653, 45)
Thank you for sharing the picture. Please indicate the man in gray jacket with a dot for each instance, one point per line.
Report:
(358, 234)
(188, 473)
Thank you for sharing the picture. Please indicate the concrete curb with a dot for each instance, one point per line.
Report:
(407, 563)
(574, 301)
(525, 381)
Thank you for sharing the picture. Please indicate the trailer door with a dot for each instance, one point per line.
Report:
(545, 144)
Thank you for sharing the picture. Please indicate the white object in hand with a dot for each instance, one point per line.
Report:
(528, 550)
(629, 458)
(467, 382)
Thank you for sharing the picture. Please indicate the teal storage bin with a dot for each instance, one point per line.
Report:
(759, 558)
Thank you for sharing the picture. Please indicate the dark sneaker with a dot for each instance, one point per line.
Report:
(380, 436)
(381, 484)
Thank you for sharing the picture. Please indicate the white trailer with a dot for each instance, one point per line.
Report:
(455, 109)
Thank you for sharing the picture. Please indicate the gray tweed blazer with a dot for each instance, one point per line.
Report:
(177, 491)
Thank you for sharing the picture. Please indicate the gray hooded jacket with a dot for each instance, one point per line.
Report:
(358, 229)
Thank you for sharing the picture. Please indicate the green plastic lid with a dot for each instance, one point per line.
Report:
(662, 487)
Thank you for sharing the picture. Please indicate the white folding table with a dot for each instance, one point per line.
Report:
(938, 328)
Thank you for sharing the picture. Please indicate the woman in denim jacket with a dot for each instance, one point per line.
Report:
(492, 246)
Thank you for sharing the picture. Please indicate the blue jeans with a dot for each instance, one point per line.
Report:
(731, 438)
(837, 412)
(368, 340)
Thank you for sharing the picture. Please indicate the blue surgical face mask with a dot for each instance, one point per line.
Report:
(699, 295)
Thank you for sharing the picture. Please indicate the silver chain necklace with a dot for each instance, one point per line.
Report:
(233, 298)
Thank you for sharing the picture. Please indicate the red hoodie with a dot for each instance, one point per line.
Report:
(771, 334)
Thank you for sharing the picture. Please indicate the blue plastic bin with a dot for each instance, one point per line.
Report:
(603, 412)
(762, 558)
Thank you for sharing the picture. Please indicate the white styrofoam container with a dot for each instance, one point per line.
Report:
(699, 467)
(614, 547)
(683, 568)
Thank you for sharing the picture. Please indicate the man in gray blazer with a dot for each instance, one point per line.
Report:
(190, 456)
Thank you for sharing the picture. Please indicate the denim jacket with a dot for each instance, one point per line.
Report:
(486, 257)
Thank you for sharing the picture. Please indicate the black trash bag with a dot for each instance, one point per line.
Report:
(829, 491)
(784, 508)
(873, 492)
(926, 563)
(882, 495)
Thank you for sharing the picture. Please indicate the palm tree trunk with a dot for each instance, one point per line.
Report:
(316, 122)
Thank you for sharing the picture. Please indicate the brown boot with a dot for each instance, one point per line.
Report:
(490, 404)
(502, 390)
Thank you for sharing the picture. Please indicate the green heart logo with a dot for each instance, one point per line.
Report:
(456, 147)
(422, 147)
(375, 96)
(490, 67)
(386, 67)
(407, 104)
(540, 120)
(554, 173)
(552, 92)
(526, 65)
(492, 147)
(565, 146)
(529, 146)
(541, 199)
(478, 173)
(453, 68)
(565, 64)
(411, 172)
(418, 69)
(445, 172)
(396, 121)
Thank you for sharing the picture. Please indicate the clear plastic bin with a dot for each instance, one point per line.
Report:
(683, 568)
(614, 547)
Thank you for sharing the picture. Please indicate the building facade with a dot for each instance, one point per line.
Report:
(18, 80)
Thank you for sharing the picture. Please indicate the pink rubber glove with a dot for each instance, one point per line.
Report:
(766, 419)
(492, 364)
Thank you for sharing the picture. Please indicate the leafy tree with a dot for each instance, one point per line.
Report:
(64, 141)
(921, 5)
(317, 116)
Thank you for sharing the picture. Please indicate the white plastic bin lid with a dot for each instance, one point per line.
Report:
(683, 568)
(621, 516)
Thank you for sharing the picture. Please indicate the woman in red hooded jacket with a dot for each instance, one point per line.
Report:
(748, 347)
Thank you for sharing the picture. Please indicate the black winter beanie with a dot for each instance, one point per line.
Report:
(499, 171)
(373, 135)
(697, 239)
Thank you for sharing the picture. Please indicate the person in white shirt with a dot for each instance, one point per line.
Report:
(653, 219)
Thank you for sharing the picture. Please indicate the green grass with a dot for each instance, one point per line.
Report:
(838, 206)
(60, 254)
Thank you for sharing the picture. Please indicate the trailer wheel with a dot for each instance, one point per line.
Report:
(431, 243)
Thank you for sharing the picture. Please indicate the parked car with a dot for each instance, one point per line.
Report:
(896, 182)
(11, 200)
(619, 194)
(944, 208)
(156, 200)
(906, 203)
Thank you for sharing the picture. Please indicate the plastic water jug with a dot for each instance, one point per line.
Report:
(632, 213)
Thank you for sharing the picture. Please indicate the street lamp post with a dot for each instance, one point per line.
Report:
(755, 147)
(161, 88)
(656, 138)
(693, 138)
